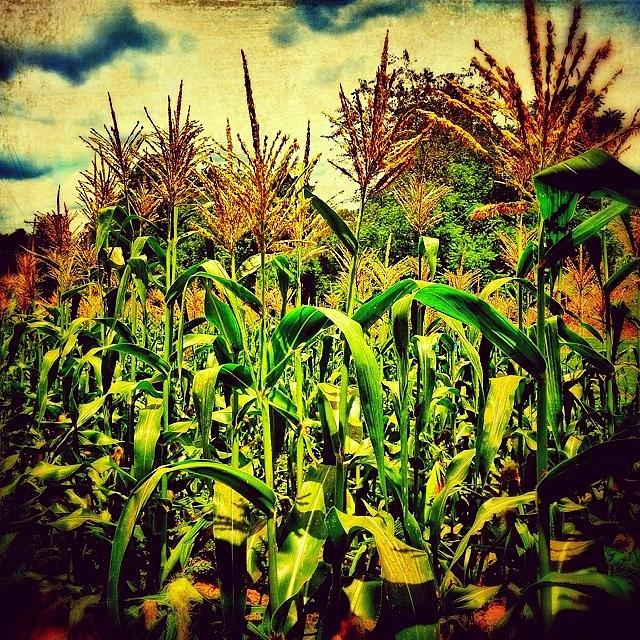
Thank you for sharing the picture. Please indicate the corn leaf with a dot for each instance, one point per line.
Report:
(335, 222)
(145, 439)
(497, 414)
(488, 509)
(588, 466)
(469, 309)
(301, 549)
(573, 239)
(408, 582)
(254, 490)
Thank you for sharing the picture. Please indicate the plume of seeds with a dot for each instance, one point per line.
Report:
(559, 122)
(419, 199)
(97, 188)
(512, 247)
(174, 155)
(23, 284)
(120, 154)
(63, 251)
(221, 207)
(377, 146)
(464, 280)
(146, 200)
(266, 177)
(580, 286)
(306, 227)
(494, 209)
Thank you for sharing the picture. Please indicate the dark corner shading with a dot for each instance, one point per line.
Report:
(111, 36)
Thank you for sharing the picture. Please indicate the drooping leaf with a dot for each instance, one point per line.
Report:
(254, 490)
(145, 439)
(408, 582)
(374, 308)
(573, 239)
(334, 221)
(497, 414)
(301, 549)
(208, 270)
(303, 325)
(48, 471)
(469, 309)
(594, 173)
(588, 466)
(488, 509)
(527, 260)
(140, 353)
(182, 551)
(457, 471)
(621, 275)
(588, 354)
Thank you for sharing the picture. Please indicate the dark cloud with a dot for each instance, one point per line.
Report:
(338, 16)
(116, 33)
(12, 167)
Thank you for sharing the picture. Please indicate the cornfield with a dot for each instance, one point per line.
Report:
(206, 450)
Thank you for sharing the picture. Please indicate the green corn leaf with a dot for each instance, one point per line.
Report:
(588, 466)
(469, 309)
(220, 315)
(365, 600)
(231, 528)
(428, 248)
(489, 289)
(488, 509)
(594, 173)
(105, 219)
(374, 308)
(459, 600)
(181, 553)
(471, 352)
(298, 327)
(78, 518)
(497, 414)
(457, 471)
(335, 222)
(408, 582)
(204, 399)
(555, 416)
(48, 369)
(254, 490)
(141, 353)
(301, 549)
(527, 259)
(209, 270)
(47, 471)
(118, 327)
(302, 325)
(569, 242)
(145, 439)
(588, 354)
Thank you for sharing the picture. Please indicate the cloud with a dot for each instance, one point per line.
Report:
(338, 16)
(12, 167)
(116, 33)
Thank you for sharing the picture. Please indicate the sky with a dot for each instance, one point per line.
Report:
(59, 58)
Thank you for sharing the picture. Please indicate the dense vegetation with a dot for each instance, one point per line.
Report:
(229, 410)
